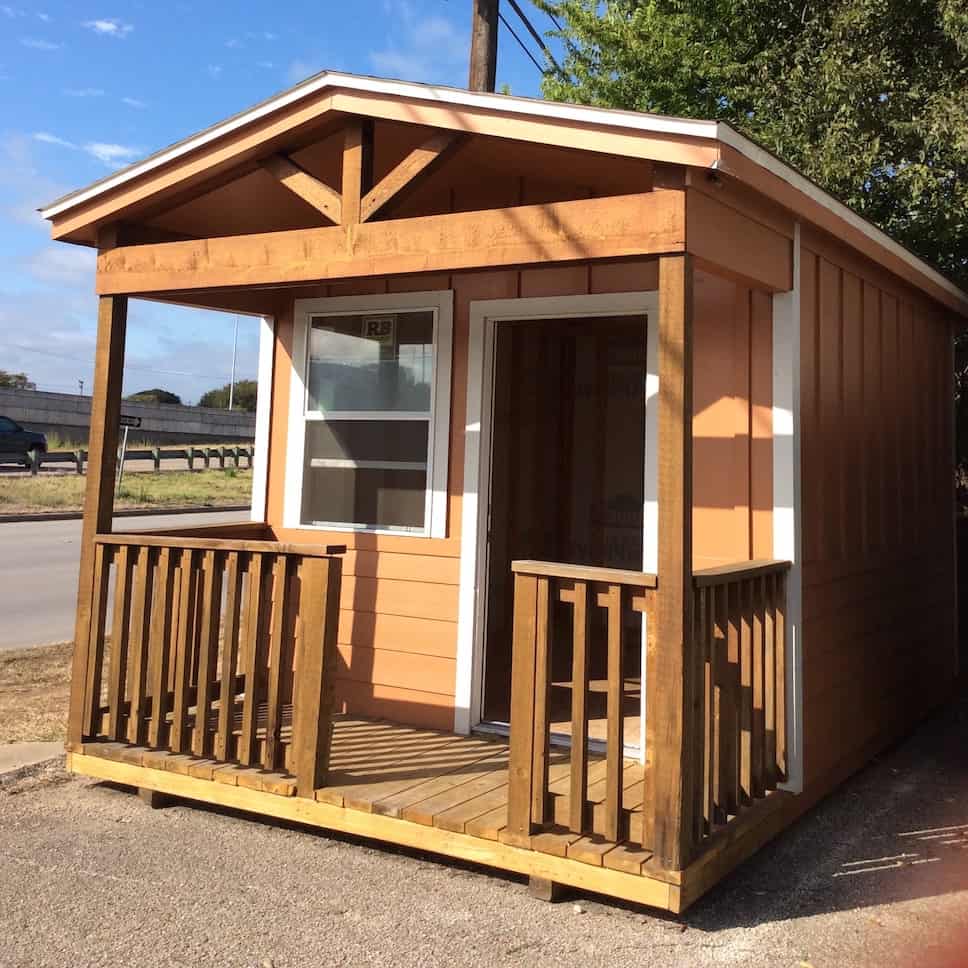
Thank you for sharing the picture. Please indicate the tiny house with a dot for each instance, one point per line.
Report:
(603, 509)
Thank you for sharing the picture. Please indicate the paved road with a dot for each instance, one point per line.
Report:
(38, 573)
(93, 877)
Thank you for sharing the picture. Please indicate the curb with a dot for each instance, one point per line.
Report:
(12, 776)
(125, 513)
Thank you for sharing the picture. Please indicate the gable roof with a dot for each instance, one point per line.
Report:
(727, 150)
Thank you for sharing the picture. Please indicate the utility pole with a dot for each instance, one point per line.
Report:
(483, 70)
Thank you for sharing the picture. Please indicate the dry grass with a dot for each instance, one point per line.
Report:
(65, 492)
(34, 689)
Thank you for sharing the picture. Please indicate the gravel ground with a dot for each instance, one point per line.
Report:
(92, 876)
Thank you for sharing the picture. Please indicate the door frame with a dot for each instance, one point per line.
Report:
(484, 316)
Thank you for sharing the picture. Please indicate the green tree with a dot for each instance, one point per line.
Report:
(867, 97)
(16, 381)
(155, 395)
(244, 398)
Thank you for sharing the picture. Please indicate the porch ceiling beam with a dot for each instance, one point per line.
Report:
(309, 188)
(416, 167)
(622, 226)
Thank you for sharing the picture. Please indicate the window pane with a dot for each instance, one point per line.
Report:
(374, 498)
(359, 440)
(371, 361)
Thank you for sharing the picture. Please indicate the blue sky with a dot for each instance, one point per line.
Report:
(86, 88)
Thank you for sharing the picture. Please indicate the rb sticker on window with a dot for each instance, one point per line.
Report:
(380, 329)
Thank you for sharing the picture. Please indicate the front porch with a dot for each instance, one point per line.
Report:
(207, 674)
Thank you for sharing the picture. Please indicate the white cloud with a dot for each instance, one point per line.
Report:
(299, 70)
(11, 12)
(268, 65)
(109, 27)
(133, 102)
(83, 92)
(36, 44)
(52, 139)
(23, 186)
(63, 264)
(46, 17)
(214, 71)
(429, 48)
(111, 154)
(233, 42)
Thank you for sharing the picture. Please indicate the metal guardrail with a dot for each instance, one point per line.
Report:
(220, 455)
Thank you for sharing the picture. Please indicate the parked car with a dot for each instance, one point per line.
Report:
(19, 445)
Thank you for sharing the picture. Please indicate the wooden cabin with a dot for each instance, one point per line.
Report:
(603, 509)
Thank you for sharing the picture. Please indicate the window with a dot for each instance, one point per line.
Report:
(373, 408)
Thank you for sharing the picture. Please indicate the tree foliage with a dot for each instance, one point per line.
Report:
(244, 398)
(867, 97)
(16, 381)
(155, 395)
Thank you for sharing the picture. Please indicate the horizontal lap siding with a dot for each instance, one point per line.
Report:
(398, 606)
(878, 575)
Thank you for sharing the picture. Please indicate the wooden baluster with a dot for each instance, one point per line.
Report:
(230, 655)
(95, 648)
(702, 814)
(729, 715)
(579, 709)
(544, 627)
(212, 563)
(615, 701)
(138, 660)
(521, 756)
(162, 630)
(759, 718)
(118, 671)
(312, 728)
(718, 669)
(183, 653)
(251, 648)
(650, 622)
(780, 640)
(744, 591)
(273, 746)
(769, 681)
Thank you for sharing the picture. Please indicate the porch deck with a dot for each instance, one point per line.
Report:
(443, 793)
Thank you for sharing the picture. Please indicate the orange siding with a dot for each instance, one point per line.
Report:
(878, 581)
(732, 423)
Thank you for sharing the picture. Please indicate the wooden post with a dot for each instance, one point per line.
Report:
(312, 727)
(482, 75)
(99, 494)
(357, 168)
(670, 671)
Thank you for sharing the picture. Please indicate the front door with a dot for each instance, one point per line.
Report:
(567, 485)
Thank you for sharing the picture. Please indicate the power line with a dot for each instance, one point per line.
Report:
(521, 43)
(127, 366)
(534, 33)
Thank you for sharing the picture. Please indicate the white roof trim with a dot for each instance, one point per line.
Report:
(650, 123)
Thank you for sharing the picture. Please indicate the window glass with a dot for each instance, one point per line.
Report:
(372, 361)
(385, 498)
(7, 426)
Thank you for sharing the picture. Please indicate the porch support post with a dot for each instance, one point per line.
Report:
(99, 494)
(669, 672)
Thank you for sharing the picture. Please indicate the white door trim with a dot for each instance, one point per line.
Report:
(484, 315)
(263, 414)
(787, 512)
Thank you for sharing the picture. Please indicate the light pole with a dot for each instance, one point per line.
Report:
(235, 346)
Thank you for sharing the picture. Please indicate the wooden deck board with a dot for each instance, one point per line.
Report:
(455, 788)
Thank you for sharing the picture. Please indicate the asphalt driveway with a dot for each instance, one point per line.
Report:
(876, 875)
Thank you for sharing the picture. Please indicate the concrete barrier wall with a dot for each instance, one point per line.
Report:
(69, 416)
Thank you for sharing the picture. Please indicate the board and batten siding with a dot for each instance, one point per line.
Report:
(878, 571)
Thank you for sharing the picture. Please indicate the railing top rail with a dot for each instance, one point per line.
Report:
(614, 576)
(738, 571)
(220, 544)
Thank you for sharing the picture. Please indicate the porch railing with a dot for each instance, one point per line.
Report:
(220, 648)
(585, 591)
(734, 657)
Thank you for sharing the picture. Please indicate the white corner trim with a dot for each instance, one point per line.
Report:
(787, 515)
(263, 411)
(442, 304)
(484, 315)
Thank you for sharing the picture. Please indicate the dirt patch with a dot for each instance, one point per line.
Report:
(34, 690)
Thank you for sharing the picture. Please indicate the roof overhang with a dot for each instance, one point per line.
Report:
(728, 150)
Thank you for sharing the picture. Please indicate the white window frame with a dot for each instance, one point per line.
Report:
(441, 303)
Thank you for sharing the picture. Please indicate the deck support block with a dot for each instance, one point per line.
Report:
(547, 890)
(155, 799)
